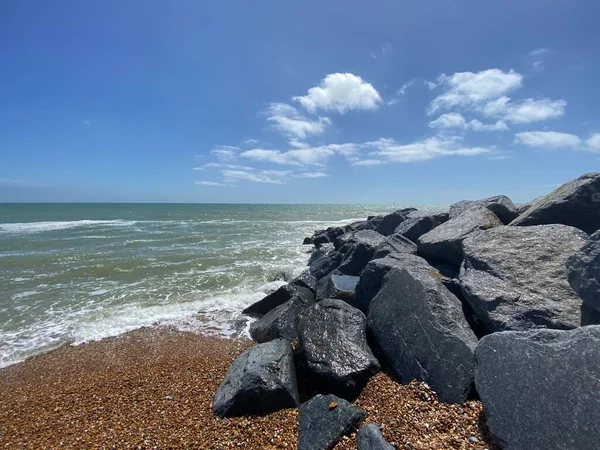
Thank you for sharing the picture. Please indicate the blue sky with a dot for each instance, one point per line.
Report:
(314, 102)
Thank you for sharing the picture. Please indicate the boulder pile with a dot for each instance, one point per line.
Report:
(485, 300)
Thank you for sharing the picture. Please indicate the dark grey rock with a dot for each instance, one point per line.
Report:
(325, 264)
(420, 328)
(324, 419)
(281, 276)
(305, 280)
(576, 203)
(333, 344)
(260, 380)
(390, 222)
(356, 258)
(584, 272)
(342, 287)
(439, 213)
(515, 278)
(540, 389)
(443, 243)
(371, 278)
(308, 241)
(319, 252)
(395, 243)
(369, 438)
(373, 222)
(272, 300)
(414, 228)
(500, 205)
(320, 239)
(368, 237)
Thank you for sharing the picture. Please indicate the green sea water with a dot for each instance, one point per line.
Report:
(71, 273)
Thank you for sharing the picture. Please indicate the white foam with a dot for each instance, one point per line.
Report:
(39, 227)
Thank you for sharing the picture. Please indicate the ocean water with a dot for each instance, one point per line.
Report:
(72, 273)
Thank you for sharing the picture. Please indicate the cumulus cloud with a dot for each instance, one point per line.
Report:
(525, 111)
(551, 139)
(594, 142)
(457, 120)
(341, 92)
(290, 121)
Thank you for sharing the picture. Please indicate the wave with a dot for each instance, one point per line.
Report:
(40, 227)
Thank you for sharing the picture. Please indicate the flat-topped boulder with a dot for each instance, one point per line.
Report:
(388, 223)
(584, 272)
(395, 243)
(325, 263)
(369, 237)
(576, 203)
(515, 278)
(305, 280)
(276, 298)
(540, 389)
(342, 287)
(500, 205)
(414, 228)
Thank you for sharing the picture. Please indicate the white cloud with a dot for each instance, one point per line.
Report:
(290, 121)
(225, 152)
(539, 52)
(457, 120)
(470, 88)
(222, 165)
(311, 175)
(426, 149)
(255, 176)
(209, 183)
(550, 139)
(341, 92)
(317, 156)
(251, 142)
(525, 111)
(594, 142)
(537, 58)
(368, 162)
(87, 122)
(404, 88)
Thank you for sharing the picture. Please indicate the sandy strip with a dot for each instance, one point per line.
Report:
(153, 388)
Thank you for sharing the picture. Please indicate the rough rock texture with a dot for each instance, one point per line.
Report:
(333, 344)
(390, 222)
(319, 252)
(370, 237)
(260, 380)
(500, 205)
(420, 328)
(540, 389)
(356, 258)
(394, 244)
(325, 263)
(576, 203)
(342, 287)
(279, 297)
(371, 278)
(414, 228)
(443, 243)
(280, 322)
(369, 438)
(324, 419)
(584, 272)
(305, 280)
(515, 278)
(441, 214)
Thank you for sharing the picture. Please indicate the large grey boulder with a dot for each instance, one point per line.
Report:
(279, 297)
(414, 228)
(369, 438)
(439, 213)
(390, 222)
(325, 263)
(576, 203)
(584, 272)
(342, 287)
(324, 419)
(369, 237)
(305, 280)
(500, 205)
(333, 343)
(371, 278)
(515, 278)
(541, 389)
(395, 243)
(443, 243)
(260, 380)
(356, 258)
(420, 328)
(280, 322)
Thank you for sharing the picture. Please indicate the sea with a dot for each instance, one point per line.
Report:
(74, 273)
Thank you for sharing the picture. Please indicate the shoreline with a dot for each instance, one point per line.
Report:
(153, 388)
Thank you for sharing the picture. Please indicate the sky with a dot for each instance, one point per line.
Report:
(387, 101)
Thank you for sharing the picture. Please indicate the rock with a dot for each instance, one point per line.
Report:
(373, 222)
(390, 222)
(540, 388)
(441, 214)
(333, 344)
(342, 287)
(420, 328)
(500, 205)
(371, 278)
(260, 380)
(305, 280)
(443, 243)
(282, 321)
(324, 419)
(320, 239)
(584, 272)
(356, 259)
(281, 276)
(394, 244)
(522, 207)
(308, 241)
(368, 237)
(369, 438)
(325, 264)
(576, 203)
(515, 278)
(327, 235)
(414, 228)
(279, 297)
(319, 252)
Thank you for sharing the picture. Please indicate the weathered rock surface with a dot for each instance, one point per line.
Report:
(390, 222)
(279, 297)
(305, 280)
(576, 203)
(443, 243)
(441, 214)
(371, 278)
(369, 237)
(369, 438)
(395, 243)
(325, 263)
(500, 205)
(540, 389)
(420, 328)
(356, 258)
(584, 272)
(414, 228)
(515, 278)
(260, 380)
(342, 287)
(333, 344)
(324, 419)
(282, 321)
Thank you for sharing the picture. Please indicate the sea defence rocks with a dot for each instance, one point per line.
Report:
(420, 328)
(305, 280)
(540, 389)
(260, 380)
(500, 205)
(342, 287)
(515, 278)
(443, 244)
(414, 228)
(395, 243)
(281, 321)
(324, 263)
(584, 272)
(279, 297)
(324, 419)
(369, 438)
(576, 203)
(390, 222)
(358, 249)
(333, 344)
(368, 237)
